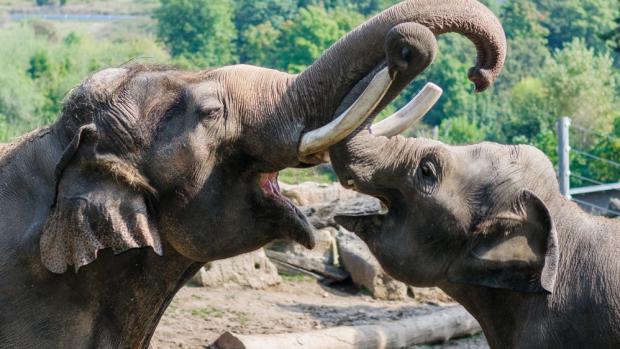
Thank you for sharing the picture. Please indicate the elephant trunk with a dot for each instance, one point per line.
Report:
(366, 162)
(336, 79)
(363, 160)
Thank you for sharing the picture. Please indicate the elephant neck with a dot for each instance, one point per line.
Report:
(499, 312)
(588, 276)
(131, 292)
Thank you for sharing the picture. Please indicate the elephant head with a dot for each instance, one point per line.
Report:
(188, 160)
(476, 214)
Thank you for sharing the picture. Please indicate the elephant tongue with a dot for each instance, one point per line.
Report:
(302, 230)
(271, 188)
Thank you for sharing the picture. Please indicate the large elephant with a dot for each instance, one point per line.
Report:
(151, 172)
(487, 224)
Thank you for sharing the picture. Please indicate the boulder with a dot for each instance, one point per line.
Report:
(310, 193)
(252, 270)
(430, 295)
(365, 269)
(614, 205)
(321, 215)
(320, 203)
(325, 250)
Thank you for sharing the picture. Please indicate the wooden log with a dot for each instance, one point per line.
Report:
(288, 269)
(316, 267)
(439, 326)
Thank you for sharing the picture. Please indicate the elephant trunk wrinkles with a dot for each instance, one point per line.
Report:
(368, 160)
(323, 86)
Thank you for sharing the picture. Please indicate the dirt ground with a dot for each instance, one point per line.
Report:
(198, 316)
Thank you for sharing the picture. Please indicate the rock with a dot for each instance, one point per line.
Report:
(289, 263)
(365, 269)
(310, 193)
(252, 269)
(323, 252)
(614, 205)
(320, 203)
(430, 295)
(322, 215)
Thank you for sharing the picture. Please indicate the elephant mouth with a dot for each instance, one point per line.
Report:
(271, 188)
(300, 231)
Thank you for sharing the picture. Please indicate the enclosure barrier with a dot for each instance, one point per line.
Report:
(564, 125)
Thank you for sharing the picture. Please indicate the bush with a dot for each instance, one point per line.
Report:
(201, 31)
(38, 72)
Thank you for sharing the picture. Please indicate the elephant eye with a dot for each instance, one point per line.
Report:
(427, 176)
(427, 168)
(209, 112)
(209, 108)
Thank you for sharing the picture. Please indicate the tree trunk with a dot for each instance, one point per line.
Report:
(436, 327)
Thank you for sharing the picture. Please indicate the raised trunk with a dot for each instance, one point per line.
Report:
(367, 162)
(352, 61)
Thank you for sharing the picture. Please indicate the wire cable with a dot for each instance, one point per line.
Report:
(593, 181)
(595, 133)
(588, 155)
(605, 210)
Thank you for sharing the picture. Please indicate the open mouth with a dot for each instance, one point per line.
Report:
(269, 184)
(302, 231)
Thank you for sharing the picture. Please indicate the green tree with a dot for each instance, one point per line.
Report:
(45, 2)
(528, 112)
(310, 33)
(586, 19)
(259, 23)
(607, 147)
(613, 37)
(521, 19)
(526, 42)
(582, 84)
(39, 65)
(250, 13)
(201, 31)
(261, 45)
(461, 130)
(527, 57)
(574, 82)
(493, 5)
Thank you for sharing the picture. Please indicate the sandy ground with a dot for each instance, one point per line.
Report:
(198, 316)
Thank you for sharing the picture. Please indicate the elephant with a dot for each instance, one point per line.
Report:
(151, 172)
(487, 224)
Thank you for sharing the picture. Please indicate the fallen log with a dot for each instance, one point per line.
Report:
(312, 266)
(439, 326)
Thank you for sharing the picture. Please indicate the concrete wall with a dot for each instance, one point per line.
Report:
(600, 199)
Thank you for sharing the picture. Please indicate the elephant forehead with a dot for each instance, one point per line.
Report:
(205, 89)
(107, 80)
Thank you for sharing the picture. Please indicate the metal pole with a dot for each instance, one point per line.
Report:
(564, 155)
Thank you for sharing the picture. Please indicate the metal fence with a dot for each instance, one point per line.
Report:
(565, 174)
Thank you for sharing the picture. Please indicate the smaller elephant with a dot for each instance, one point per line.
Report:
(487, 224)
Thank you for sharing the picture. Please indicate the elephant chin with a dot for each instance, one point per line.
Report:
(303, 233)
(290, 219)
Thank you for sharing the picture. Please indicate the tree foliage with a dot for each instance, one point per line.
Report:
(585, 19)
(201, 31)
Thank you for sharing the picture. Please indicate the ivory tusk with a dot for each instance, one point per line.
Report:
(410, 114)
(322, 138)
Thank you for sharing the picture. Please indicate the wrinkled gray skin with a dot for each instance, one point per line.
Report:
(487, 224)
(150, 172)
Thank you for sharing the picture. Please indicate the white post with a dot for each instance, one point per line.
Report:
(564, 155)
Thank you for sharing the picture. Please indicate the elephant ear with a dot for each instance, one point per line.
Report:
(515, 250)
(100, 203)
